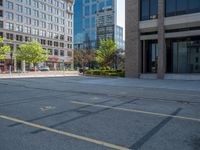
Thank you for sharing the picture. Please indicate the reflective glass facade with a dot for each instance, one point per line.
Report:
(86, 12)
(78, 24)
(180, 7)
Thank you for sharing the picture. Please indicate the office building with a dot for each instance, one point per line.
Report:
(95, 20)
(49, 22)
(162, 37)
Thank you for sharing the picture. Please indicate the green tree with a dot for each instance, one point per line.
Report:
(83, 58)
(90, 58)
(3, 49)
(31, 52)
(105, 55)
(79, 56)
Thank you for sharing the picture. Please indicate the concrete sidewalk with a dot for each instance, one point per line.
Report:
(40, 74)
(147, 83)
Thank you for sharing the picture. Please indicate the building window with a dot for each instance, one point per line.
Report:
(1, 34)
(28, 2)
(9, 16)
(19, 28)
(27, 30)
(19, 8)
(9, 26)
(50, 43)
(182, 56)
(56, 44)
(19, 18)
(56, 52)
(19, 37)
(9, 36)
(62, 45)
(148, 9)
(27, 39)
(1, 13)
(43, 42)
(9, 5)
(87, 10)
(1, 24)
(62, 53)
(180, 7)
(62, 37)
(28, 20)
(94, 9)
(36, 22)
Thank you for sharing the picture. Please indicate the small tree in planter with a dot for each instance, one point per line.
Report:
(31, 52)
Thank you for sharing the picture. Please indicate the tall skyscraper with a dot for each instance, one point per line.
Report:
(49, 22)
(162, 36)
(95, 20)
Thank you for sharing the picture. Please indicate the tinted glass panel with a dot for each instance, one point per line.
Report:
(144, 9)
(153, 9)
(194, 5)
(181, 6)
(170, 7)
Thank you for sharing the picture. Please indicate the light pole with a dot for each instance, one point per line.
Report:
(11, 61)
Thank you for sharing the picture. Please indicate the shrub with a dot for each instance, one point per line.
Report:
(113, 73)
(96, 72)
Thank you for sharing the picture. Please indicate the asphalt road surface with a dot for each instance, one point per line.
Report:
(85, 113)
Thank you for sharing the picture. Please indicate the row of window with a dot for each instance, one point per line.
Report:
(149, 8)
(43, 16)
(37, 4)
(35, 22)
(29, 11)
(10, 36)
(35, 31)
(20, 38)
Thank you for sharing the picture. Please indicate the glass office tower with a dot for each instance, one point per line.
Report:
(87, 14)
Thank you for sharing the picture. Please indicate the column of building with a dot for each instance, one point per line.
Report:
(161, 40)
(133, 53)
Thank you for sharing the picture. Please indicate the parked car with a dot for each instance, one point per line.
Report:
(44, 68)
(34, 69)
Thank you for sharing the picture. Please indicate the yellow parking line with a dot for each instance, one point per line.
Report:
(78, 137)
(136, 111)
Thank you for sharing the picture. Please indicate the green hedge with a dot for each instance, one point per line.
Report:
(113, 73)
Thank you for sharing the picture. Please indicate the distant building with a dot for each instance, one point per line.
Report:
(49, 22)
(162, 37)
(99, 21)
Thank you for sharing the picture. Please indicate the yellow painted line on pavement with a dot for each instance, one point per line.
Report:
(136, 111)
(78, 137)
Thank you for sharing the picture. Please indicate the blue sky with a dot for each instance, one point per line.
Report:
(121, 13)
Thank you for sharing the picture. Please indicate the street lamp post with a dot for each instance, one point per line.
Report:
(11, 59)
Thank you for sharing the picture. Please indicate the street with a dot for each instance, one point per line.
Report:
(94, 113)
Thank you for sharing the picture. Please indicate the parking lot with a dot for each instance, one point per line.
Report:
(90, 113)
